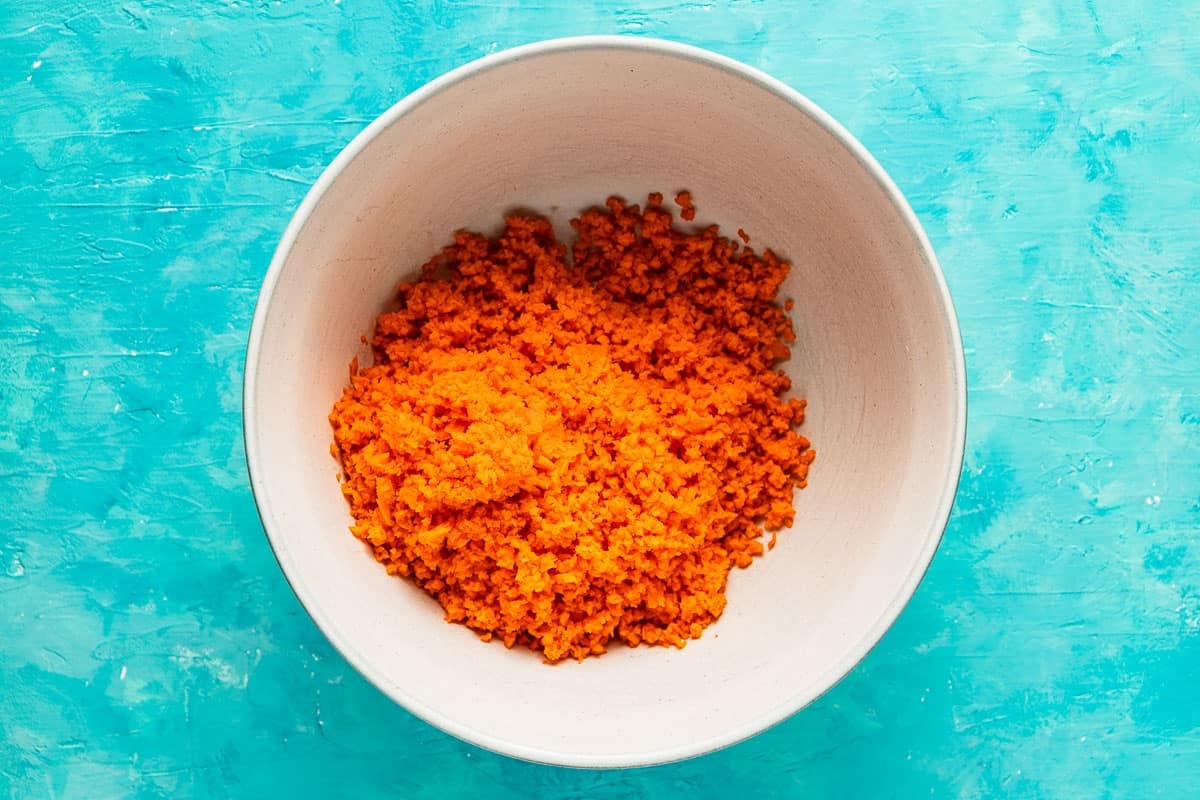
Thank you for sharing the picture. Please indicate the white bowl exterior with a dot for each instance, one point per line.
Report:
(557, 127)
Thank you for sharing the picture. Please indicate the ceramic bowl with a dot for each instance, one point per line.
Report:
(557, 127)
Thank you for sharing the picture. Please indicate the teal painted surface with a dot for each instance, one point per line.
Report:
(151, 154)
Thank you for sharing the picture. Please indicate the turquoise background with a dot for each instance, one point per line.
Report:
(151, 153)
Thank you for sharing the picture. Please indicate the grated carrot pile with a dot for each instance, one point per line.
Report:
(565, 455)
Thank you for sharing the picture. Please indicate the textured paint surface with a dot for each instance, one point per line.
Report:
(150, 156)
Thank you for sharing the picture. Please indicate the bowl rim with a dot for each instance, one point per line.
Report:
(835, 672)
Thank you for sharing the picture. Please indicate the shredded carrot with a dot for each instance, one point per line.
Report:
(745, 237)
(687, 211)
(566, 454)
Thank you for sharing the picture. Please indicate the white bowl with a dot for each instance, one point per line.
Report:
(557, 127)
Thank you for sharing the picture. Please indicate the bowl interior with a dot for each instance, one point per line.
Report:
(556, 129)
